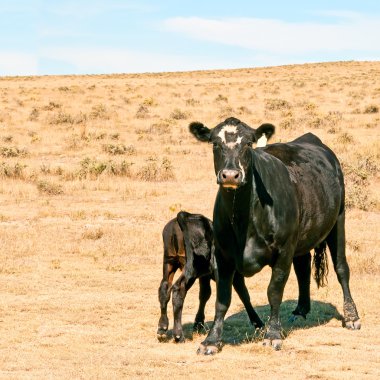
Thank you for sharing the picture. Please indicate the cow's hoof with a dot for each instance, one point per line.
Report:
(353, 325)
(276, 344)
(162, 335)
(207, 350)
(179, 338)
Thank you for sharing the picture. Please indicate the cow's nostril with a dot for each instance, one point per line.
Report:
(237, 176)
(224, 176)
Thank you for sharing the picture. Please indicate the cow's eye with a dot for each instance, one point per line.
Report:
(249, 143)
(215, 145)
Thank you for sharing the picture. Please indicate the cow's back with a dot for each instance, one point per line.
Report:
(317, 178)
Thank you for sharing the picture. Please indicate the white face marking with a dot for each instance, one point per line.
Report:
(262, 141)
(229, 129)
(226, 128)
(242, 171)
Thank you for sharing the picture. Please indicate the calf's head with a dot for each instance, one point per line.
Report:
(232, 146)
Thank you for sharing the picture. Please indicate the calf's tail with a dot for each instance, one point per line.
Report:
(320, 264)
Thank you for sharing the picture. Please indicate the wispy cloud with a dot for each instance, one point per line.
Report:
(106, 60)
(347, 31)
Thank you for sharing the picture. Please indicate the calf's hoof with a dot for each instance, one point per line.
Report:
(276, 344)
(208, 350)
(199, 327)
(353, 325)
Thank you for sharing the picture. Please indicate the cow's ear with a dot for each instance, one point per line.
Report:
(200, 131)
(264, 133)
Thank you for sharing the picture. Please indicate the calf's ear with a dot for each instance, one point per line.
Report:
(200, 131)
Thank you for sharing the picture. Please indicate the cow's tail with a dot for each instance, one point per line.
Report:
(320, 264)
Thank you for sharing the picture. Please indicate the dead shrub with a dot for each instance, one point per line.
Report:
(118, 149)
(287, 123)
(92, 168)
(178, 114)
(12, 151)
(152, 172)
(372, 108)
(345, 138)
(142, 112)
(276, 104)
(221, 98)
(243, 110)
(356, 175)
(7, 139)
(99, 111)
(149, 102)
(192, 102)
(49, 188)
(52, 106)
(61, 117)
(94, 234)
(160, 128)
(34, 114)
(15, 171)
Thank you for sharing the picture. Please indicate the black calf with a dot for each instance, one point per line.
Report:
(188, 246)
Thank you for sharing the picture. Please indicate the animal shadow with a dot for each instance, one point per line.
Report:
(238, 330)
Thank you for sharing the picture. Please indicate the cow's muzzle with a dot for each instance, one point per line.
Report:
(230, 178)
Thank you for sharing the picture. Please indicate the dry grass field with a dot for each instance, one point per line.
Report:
(91, 169)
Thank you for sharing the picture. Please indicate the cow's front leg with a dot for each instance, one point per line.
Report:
(213, 343)
(280, 274)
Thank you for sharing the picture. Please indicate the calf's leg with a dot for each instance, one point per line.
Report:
(164, 291)
(180, 288)
(204, 296)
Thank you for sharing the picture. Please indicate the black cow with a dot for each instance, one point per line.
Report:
(188, 246)
(274, 205)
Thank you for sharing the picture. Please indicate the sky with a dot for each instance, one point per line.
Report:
(46, 37)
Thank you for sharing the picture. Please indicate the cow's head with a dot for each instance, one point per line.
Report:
(232, 141)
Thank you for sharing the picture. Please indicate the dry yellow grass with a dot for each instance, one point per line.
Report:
(91, 169)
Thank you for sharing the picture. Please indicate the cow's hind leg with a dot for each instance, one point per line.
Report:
(302, 267)
(164, 296)
(204, 296)
(242, 291)
(337, 244)
(180, 288)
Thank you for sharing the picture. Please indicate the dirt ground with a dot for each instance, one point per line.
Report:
(92, 168)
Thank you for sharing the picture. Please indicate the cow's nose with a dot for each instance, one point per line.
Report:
(230, 177)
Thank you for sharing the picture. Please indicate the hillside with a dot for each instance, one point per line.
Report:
(91, 169)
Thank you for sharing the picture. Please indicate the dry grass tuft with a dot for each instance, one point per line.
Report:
(50, 188)
(153, 172)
